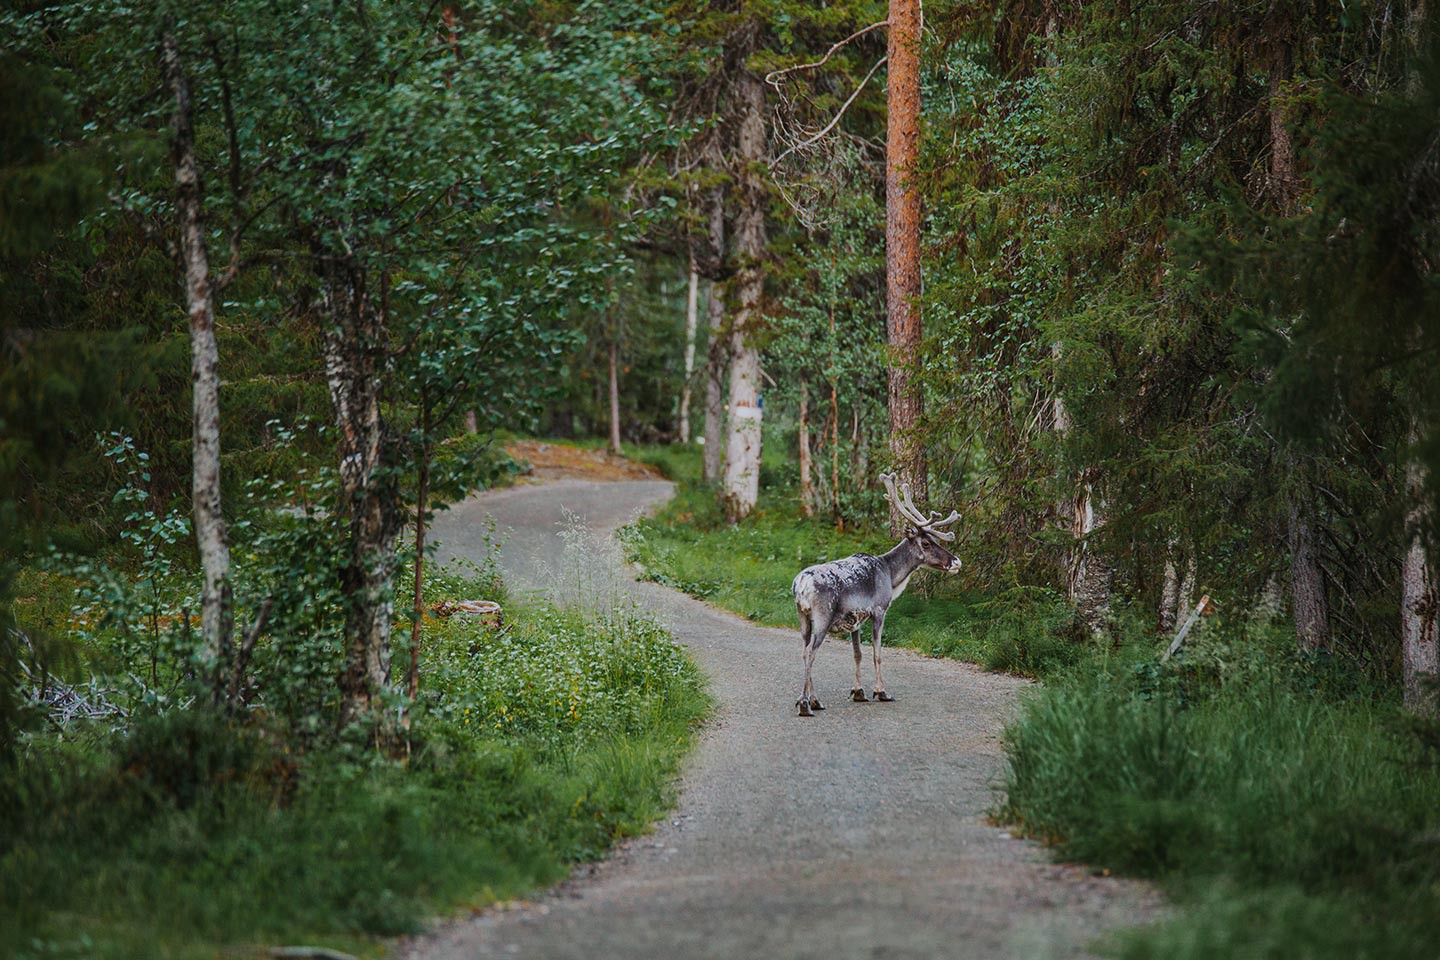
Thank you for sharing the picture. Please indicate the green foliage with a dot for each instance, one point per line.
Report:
(189, 833)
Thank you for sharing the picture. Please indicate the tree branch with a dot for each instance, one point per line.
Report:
(834, 120)
(773, 75)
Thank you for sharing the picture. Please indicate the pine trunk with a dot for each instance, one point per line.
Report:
(807, 491)
(716, 369)
(1310, 607)
(692, 303)
(211, 538)
(902, 248)
(717, 356)
(741, 485)
(1307, 579)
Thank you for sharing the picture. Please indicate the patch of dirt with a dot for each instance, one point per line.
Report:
(561, 461)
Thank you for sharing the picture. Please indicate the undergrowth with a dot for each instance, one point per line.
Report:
(1268, 791)
(531, 749)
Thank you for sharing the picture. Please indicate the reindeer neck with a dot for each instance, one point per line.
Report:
(902, 560)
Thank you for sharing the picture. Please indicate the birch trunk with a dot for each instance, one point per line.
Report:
(902, 248)
(354, 347)
(691, 316)
(215, 653)
(1091, 573)
(1418, 598)
(741, 486)
(1169, 596)
(1419, 589)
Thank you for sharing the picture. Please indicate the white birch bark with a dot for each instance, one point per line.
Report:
(692, 298)
(211, 538)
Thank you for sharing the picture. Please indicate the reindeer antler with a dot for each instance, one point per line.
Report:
(905, 504)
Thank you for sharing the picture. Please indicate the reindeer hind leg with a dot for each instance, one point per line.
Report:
(857, 692)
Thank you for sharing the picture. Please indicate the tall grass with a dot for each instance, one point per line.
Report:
(1247, 790)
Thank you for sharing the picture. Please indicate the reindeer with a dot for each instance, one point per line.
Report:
(838, 597)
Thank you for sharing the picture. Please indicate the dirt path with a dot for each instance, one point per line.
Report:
(859, 833)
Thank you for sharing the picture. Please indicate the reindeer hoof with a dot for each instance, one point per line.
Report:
(883, 697)
(858, 695)
(815, 704)
(804, 706)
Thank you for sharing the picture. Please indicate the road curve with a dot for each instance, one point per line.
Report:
(858, 833)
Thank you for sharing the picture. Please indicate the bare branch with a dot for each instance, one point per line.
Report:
(773, 75)
(836, 119)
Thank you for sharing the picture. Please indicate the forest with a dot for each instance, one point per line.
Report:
(1145, 290)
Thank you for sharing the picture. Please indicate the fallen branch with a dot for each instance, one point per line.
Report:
(1204, 607)
(309, 953)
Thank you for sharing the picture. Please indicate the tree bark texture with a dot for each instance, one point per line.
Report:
(422, 496)
(215, 653)
(807, 490)
(1307, 579)
(717, 353)
(614, 397)
(1419, 594)
(354, 346)
(902, 248)
(1169, 595)
(1419, 588)
(741, 486)
(1309, 605)
(692, 303)
(1091, 575)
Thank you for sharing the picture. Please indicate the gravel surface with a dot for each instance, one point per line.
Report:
(859, 833)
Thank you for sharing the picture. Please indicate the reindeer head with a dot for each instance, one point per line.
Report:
(924, 532)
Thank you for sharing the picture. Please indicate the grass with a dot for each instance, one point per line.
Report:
(747, 568)
(1261, 794)
(190, 835)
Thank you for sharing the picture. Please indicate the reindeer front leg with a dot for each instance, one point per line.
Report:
(879, 625)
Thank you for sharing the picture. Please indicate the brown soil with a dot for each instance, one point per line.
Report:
(560, 461)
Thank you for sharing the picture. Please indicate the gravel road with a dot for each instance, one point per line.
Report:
(858, 833)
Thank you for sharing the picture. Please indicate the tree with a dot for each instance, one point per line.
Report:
(902, 248)
(215, 655)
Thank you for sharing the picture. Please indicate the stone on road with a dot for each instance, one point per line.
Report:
(859, 833)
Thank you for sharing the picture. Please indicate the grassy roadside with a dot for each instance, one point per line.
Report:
(536, 748)
(1284, 801)
(748, 568)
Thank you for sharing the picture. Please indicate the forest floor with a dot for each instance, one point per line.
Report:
(564, 461)
(859, 833)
